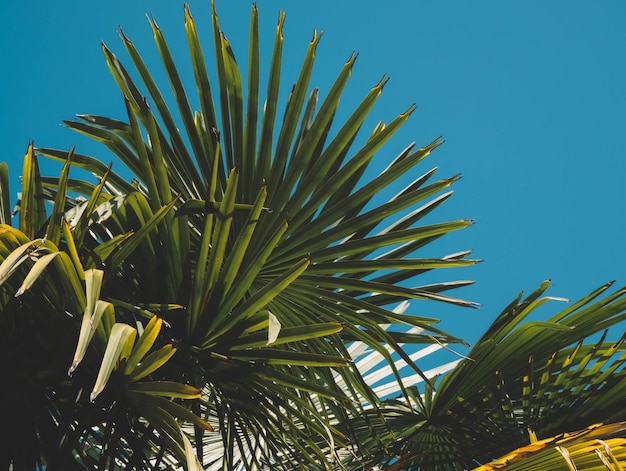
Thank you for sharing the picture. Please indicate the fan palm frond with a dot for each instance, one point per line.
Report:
(522, 381)
(280, 252)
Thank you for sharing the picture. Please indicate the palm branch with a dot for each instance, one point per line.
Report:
(524, 382)
(601, 447)
(266, 233)
(62, 344)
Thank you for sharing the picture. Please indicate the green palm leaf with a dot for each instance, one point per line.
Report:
(44, 290)
(523, 381)
(264, 231)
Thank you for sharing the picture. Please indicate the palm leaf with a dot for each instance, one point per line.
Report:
(596, 447)
(257, 218)
(522, 381)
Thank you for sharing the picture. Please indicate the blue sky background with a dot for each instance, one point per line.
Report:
(529, 97)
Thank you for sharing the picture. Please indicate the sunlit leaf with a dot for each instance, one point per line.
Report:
(120, 333)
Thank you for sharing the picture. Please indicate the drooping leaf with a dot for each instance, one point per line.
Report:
(120, 334)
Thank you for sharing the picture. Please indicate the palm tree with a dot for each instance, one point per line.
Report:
(530, 395)
(235, 271)
(237, 297)
(53, 320)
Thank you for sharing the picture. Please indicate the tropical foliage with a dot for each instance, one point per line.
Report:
(236, 296)
(264, 256)
(524, 381)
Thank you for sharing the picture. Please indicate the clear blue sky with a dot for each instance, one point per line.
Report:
(529, 96)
